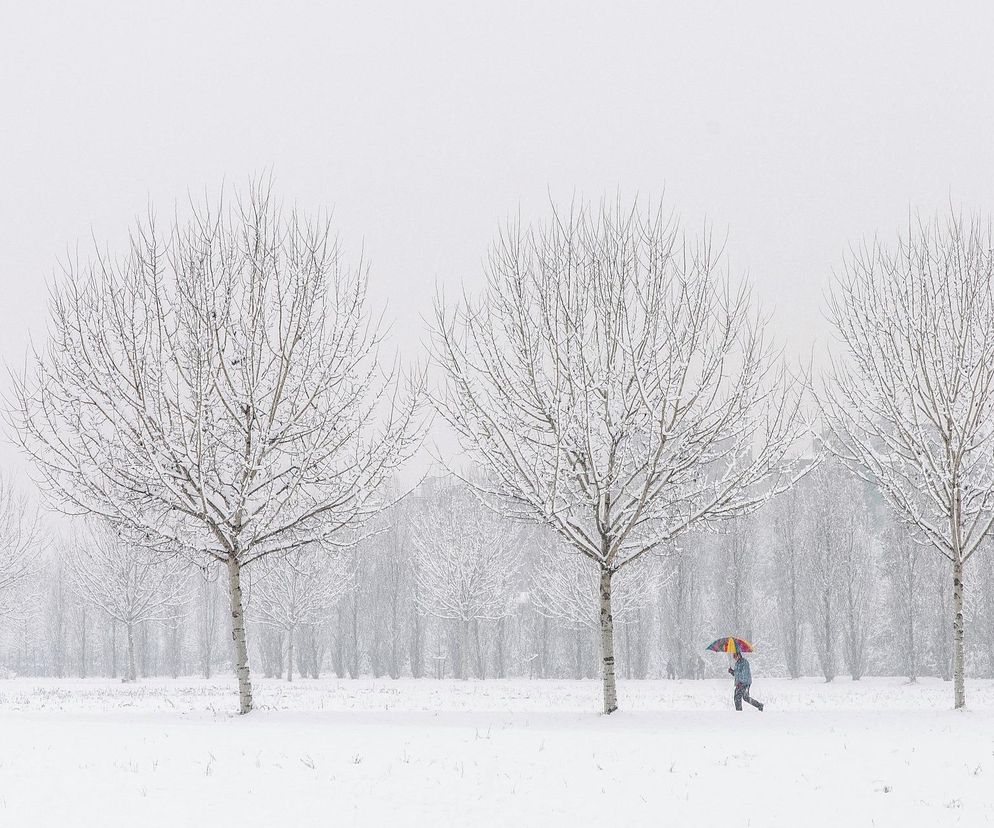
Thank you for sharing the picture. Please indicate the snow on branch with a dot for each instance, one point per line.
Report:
(616, 384)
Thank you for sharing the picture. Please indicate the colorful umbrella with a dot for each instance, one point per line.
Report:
(730, 645)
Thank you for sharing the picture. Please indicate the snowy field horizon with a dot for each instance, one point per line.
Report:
(373, 752)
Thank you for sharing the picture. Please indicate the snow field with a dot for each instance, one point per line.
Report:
(522, 753)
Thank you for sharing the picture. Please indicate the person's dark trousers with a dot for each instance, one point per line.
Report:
(742, 692)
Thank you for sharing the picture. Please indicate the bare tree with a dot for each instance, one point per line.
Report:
(736, 565)
(938, 609)
(983, 610)
(392, 593)
(910, 401)
(208, 614)
(466, 560)
(218, 389)
(856, 586)
(905, 580)
(79, 614)
(827, 532)
(836, 566)
(56, 618)
(788, 564)
(298, 589)
(616, 387)
(683, 598)
(20, 547)
(129, 583)
(566, 589)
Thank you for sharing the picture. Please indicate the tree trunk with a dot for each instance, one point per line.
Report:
(464, 661)
(289, 655)
(394, 639)
(207, 631)
(959, 684)
(607, 644)
(174, 645)
(417, 648)
(481, 661)
(238, 635)
(544, 664)
(146, 651)
(910, 586)
(794, 647)
(132, 675)
(82, 642)
(354, 652)
(501, 634)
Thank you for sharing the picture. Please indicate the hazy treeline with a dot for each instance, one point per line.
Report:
(821, 580)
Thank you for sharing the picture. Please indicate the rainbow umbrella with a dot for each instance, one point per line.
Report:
(730, 645)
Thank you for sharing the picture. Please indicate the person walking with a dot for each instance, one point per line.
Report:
(699, 668)
(743, 681)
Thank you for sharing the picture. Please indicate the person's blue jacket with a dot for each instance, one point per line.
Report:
(742, 673)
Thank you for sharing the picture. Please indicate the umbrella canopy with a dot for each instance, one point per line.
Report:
(730, 645)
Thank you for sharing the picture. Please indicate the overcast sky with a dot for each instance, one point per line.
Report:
(796, 128)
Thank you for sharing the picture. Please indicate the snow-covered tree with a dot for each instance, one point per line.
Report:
(616, 387)
(129, 583)
(983, 611)
(80, 629)
(683, 597)
(466, 561)
(938, 608)
(208, 617)
(390, 600)
(856, 582)
(56, 608)
(298, 589)
(20, 547)
(217, 389)
(565, 588)
(735, 564)
(788, 575)
(827, 532)
(910, 400)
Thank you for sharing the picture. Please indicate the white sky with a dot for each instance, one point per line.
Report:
(795, 127)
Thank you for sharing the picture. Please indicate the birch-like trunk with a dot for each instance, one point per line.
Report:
(132, 673)
(238, 636)
(959, 682)
(607, 644)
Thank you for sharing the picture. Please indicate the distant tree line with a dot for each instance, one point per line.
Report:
(862, 599)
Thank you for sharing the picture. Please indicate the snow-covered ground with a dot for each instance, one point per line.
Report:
(508, 753)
